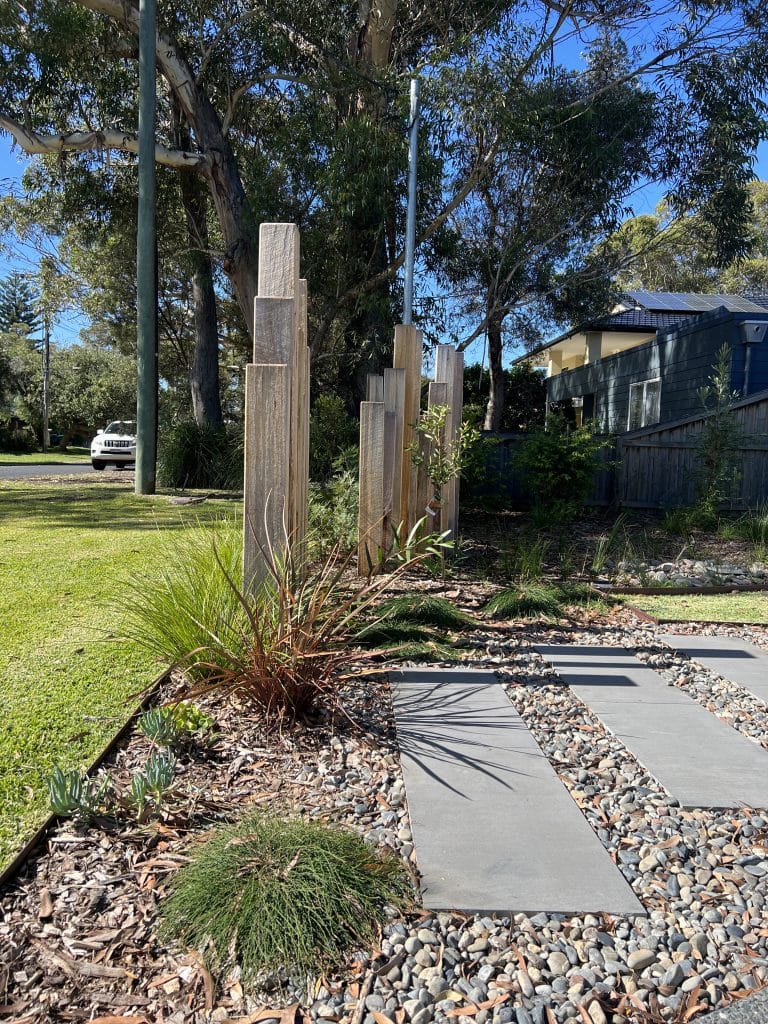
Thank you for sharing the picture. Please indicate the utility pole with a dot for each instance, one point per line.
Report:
(410, 229)
(46, 380)
(146, 259)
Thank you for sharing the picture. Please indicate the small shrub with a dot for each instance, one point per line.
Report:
(333, 514)
(193, 456)
(684, 521)
(332, 433)
(560, 462)
(270, 893)
(15, 438)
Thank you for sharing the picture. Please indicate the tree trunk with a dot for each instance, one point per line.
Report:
(495, 410)
(204, 368)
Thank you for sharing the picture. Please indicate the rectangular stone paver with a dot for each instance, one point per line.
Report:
(494, 828)
(743, 663)
(694, 755)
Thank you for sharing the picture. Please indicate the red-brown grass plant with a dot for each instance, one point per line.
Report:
(283, 646)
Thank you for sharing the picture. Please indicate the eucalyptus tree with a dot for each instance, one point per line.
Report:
(299, 110)
(678, 254)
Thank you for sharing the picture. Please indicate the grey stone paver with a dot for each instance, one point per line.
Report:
(699, 760)
(743, 663)
(752, 1010)
(494, 828)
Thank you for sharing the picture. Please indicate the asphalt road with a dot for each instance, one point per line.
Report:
(81, 469)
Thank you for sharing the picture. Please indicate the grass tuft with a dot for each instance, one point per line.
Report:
(525, 601)
(426, 609)
(268, 893)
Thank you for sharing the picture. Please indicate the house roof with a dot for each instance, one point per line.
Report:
(634, 320)
(646, 312)
(692, 302)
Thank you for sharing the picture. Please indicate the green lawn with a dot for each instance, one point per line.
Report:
(49, 458)
(66, 683)
(703, 607)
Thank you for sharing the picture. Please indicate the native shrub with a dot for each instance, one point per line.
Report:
(560, 462)
(270, 893)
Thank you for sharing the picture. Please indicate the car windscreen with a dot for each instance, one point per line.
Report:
(121, 427)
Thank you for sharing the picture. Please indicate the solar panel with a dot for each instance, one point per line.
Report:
(692, 302)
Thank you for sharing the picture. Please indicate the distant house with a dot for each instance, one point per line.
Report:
(645, 363)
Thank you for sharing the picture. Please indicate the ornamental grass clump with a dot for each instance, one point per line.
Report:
(283, 647)
(270, 893)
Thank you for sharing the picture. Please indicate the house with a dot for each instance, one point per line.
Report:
(645, 362)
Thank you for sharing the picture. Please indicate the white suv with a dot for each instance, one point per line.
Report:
(116, 444)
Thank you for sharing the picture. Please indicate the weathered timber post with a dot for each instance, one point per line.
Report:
(374, 388)
(276, 409)
(437, 394)
(408, 357)
(449, 370)
(370, 521)
(394, 424)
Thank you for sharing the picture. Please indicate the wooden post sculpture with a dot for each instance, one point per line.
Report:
(393, 492)
(276, 409)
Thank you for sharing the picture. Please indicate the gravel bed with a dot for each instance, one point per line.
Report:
(77, 931)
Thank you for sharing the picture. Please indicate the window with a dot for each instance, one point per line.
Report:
(644, 403)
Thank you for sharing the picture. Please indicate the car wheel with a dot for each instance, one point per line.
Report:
(98, 464)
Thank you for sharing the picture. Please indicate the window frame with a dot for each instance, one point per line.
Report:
(643, 404)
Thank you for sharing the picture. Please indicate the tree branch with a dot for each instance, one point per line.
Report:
(90, 141)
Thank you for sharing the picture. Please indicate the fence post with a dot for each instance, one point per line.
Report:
(370, 519)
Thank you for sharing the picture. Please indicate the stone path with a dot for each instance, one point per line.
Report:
(493, 827)
(752, 1010)
(699, 760)
(742, 663)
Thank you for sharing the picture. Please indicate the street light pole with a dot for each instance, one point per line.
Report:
(46, 380)
(410, 229)
(146, 259)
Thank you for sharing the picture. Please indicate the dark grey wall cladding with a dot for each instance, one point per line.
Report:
(683, 358)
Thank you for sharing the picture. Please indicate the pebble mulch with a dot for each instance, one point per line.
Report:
(77, 930)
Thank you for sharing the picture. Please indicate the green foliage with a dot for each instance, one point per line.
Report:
(446, 457)
(560, 463)
(270, 893)
(332, 433)
(73, 794)
(719, 439)
(332, 514)
(170, 725)
(427, 609)
(525, 397)
(609, 544)
(751, 526)
(151, 785)
(414, 627)
(19, 305)
(524, 601)
(15, 438)
(533, 599)
(194, 456)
